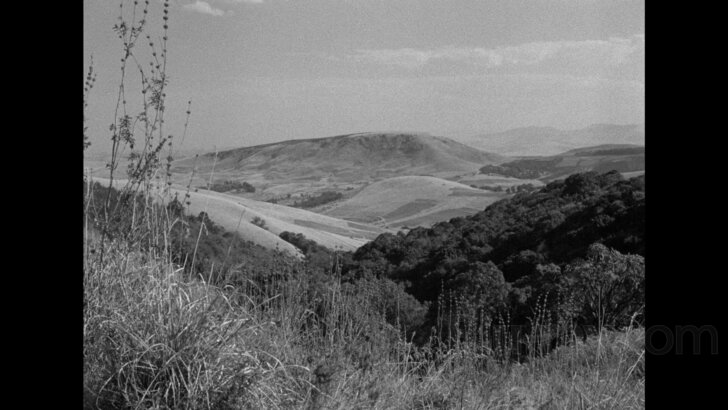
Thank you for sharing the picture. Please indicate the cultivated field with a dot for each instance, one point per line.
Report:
(413, 201)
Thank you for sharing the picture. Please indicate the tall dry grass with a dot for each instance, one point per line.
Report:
(153, 339)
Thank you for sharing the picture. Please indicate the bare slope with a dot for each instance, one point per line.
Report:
(530, 141)
(413, 201)
(353, 157)
(236, 214)
(325, 230)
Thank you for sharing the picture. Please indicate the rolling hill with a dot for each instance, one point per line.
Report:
(388, 180)
(413, 201)
(532, 141)
(236, 214)
(625, 158)
(327, 231)
(345, 158)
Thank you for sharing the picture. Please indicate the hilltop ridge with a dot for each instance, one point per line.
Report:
(347, 157)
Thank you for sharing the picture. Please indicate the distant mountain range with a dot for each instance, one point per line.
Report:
(531, 141)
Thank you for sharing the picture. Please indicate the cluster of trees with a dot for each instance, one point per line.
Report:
(493, 188)
(627, 159)
(520, 188)
(205, 249)
(572, 243)
(530, 168)
(622, 164)
(323, 198)
(259, 222)
(511, 189)
(317, 256)
(615, 151)
(227, 186)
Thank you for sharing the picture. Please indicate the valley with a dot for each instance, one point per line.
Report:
(344, 191)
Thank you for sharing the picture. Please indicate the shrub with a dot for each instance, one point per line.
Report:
(259, 222)
(609, 288)
(226, 186)
(323, 198)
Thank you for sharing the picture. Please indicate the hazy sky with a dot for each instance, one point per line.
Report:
(260, 71)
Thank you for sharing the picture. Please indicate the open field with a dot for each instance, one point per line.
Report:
(235, 214)
(413, 201)
(327, 231)
(632, 174)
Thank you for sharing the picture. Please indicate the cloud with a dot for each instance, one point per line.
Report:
(203, 7)
(566, 54)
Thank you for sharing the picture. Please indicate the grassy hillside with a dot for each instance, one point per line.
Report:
(345, 158)
(413, 201)
(602, 158)
(236, 214)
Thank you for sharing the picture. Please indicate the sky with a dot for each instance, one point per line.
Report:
(261, 71)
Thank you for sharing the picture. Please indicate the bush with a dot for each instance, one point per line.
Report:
(608, 287)
(259, 222)
(226, 186)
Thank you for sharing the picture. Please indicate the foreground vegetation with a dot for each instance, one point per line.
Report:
(154, 339)
(273, 332)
